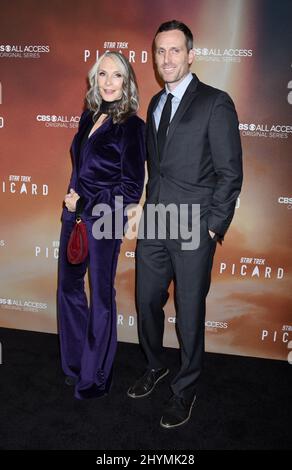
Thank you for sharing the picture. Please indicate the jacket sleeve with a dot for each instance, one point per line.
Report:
(224, 139)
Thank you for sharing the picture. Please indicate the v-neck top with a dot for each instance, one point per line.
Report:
(86, 134)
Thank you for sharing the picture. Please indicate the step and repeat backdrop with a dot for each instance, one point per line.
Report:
(242, 47)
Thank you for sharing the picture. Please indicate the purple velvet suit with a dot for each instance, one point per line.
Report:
(109, 163)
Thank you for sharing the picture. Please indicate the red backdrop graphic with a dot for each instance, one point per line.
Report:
(241, 46)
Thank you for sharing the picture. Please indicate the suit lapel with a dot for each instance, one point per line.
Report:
(152, 133)
(78, 138)
(153, 125)
(187, 99)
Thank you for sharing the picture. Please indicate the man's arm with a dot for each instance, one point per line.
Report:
(224, 139)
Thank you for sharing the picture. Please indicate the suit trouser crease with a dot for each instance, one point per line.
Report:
(158, 261)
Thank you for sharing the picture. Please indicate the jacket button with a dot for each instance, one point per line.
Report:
(162, 175)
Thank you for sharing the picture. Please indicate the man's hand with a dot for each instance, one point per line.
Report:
(70, 200)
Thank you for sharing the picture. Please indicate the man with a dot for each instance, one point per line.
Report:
(194, 157)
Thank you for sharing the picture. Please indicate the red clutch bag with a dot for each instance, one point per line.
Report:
(77, 248)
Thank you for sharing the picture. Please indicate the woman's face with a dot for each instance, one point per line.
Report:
(109, 80)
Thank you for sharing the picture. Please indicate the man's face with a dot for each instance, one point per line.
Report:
(172, 57)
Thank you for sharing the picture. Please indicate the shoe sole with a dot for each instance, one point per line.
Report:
(183, 422)
(150, 391)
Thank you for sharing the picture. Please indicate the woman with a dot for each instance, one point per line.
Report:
(108, 155)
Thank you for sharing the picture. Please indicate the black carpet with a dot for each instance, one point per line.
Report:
(243, 403)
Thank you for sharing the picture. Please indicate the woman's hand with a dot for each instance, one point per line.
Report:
(70, 200)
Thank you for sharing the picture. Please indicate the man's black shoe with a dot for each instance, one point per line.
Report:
(177, 412)
(146, 384)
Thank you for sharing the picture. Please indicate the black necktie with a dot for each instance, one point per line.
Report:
(163, 125)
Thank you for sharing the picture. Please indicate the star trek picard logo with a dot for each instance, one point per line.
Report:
(23, 185)
(126, 320)
(274, 336)
(133, 55)
(251, 268)
(47, 252)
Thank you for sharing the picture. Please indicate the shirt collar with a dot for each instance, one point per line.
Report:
(180, 89)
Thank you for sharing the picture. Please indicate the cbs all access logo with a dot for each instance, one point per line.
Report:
(48, 120)
(26, 51)
(285, 201)
(274, 131)
(25, 305)
(58, 120)
(210, 325)
(222, 55)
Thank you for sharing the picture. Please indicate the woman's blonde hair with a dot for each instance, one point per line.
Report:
(129, 103)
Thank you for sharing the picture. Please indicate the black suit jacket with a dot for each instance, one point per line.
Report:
(202, 158)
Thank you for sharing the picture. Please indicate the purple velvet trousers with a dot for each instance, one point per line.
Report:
(88, 333)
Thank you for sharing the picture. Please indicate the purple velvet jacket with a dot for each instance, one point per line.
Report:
(111, 163)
